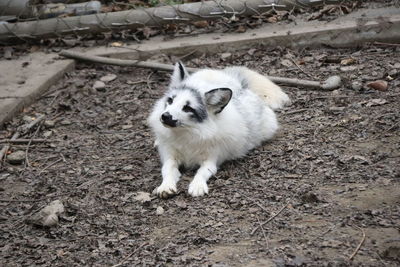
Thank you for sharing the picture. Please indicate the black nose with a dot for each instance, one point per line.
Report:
(166, 118)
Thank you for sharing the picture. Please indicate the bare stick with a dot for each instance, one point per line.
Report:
(22, 130)
(331, 83)
(359, 245)
(270, 219)
(130, 255)
(55, 162)
(24, 141)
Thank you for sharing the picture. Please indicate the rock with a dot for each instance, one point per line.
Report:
(49, 123)
(356, 85)
(47, 134)
(48, 216)
(66, 122)
(378, 85)
(108, 78)
(126, 127)
(128, 168)
(16, 157)
(27, 118)
(80, 83)
(99, 86)
(226, 55)
(348, 68)
(160, 210)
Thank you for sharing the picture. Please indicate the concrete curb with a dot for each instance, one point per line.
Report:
(25, 79)
(20, 85)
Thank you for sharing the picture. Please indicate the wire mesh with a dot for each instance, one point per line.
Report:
(27, 20)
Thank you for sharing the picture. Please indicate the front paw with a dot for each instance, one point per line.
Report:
(165, 190)
(198, 188)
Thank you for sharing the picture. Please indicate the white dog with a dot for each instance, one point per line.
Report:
(209, 117)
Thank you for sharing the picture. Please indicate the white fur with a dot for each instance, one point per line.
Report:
(247, 120)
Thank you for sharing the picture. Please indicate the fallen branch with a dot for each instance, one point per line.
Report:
(24, 141)
(359, 245)
(270, 219)
(20, 131)
(331, 83)
(130, 255)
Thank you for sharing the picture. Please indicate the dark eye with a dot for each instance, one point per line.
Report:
(170, 100)
(187, 108)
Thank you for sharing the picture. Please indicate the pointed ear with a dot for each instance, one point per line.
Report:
(217, 99)
(180, 73)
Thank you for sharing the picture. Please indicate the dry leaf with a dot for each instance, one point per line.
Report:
(142, 197)
(201, 24)
(348, 61)
(272, 19)
(378, 85)
(241, 29)
(287, 63)
(376, 102)
(116, 44)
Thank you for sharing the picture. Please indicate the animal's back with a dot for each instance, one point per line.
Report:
(271, 93)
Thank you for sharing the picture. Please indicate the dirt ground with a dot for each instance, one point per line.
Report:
(330, 176)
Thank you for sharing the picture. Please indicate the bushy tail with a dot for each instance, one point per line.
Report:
(261, 85)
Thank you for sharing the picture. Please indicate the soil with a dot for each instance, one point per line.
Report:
(305, 198)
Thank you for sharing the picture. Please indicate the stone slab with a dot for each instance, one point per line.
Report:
(25, 79)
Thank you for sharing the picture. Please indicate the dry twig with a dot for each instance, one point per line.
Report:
(270, 219)
(25, 141)
(130, 255)
(359, 245)
(331, 83)
(21, 131)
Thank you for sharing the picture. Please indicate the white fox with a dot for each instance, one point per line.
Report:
(209, 117)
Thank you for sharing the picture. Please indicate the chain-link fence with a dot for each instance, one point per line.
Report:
(26, 20)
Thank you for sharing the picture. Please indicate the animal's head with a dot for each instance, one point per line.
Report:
(185, 106)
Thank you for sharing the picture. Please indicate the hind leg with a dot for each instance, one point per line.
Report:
(269, 124)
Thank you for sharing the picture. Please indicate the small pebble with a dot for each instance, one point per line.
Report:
(99, 86)
(47, 134)
(225, 55)
(160, 210)
(66, 122)
(108, 78)
(16, 157)
(49, 123)
(356, 85)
